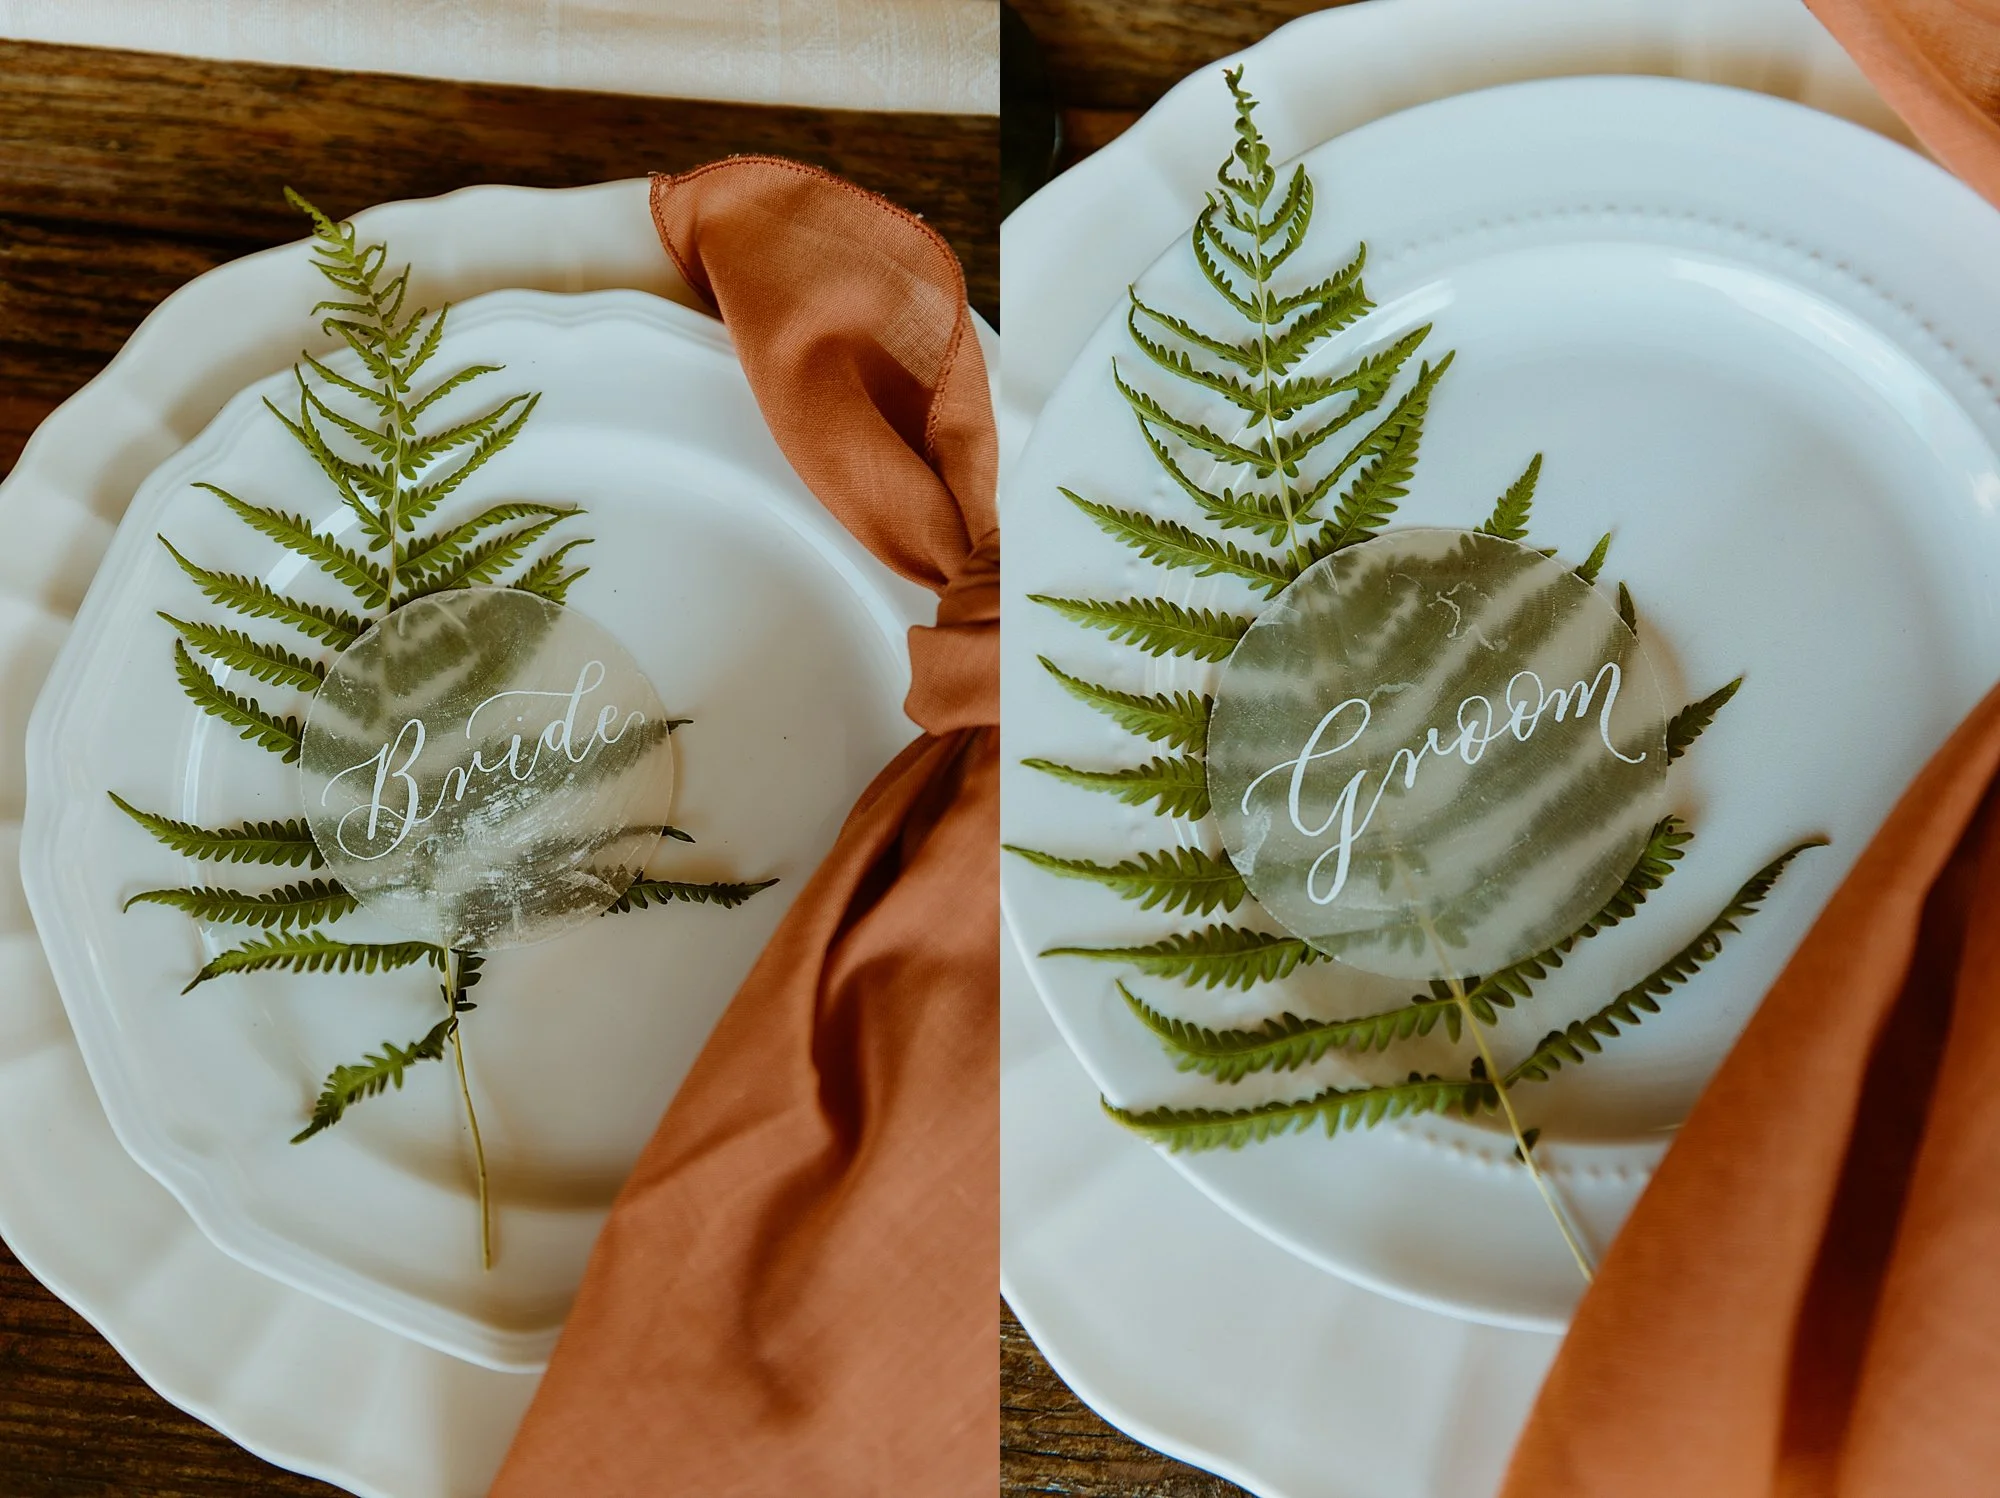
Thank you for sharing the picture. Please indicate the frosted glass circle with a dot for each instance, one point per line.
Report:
(484, 768)
(1436, 753)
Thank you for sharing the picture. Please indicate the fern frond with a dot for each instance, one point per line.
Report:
(1179, 720)
(548, 577)
(233, 648)
(1156, 625)
(246, 595)
(480, 565)
(280, 735)
(471, 432)
(1594, 563)
(429, 554)
(644, 892)
(1336, 1109)
(1172, 544)
(1176, 785)
(1627, 614)
(1237, 354)
(375, 1073)
(311, 952)
(1692, 721)
(1509, 520)
(426, 497)
(1218, 956)
(287, 843)
(295, 533)
(1581, 1039)
(306, 904)
(1288, 1042)
(1178, 879)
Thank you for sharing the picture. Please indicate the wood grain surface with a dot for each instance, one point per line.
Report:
(1109, 61)
(122, 175)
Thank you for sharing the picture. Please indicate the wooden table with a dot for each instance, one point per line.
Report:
(1109, 60)
(122, 175)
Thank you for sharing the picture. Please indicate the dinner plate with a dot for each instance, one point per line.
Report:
(751, 611)
(1755, 344)
(284, 1373)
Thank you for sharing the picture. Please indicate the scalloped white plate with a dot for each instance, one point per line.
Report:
(1720, 316)
(751, 610)
(285, 1373)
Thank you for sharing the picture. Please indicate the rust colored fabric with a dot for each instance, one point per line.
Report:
(1806, 1301)
(1937, 62)
(795, 1291)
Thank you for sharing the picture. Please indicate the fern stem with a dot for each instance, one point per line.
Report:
(1523, 1145)
(452, 996)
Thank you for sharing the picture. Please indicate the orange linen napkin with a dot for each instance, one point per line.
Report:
(794, 1293)
(1806, 1301)
(1937, 62)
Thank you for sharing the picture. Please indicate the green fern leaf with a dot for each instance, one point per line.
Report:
(1581, 1039)
(426, 497)
(470, 433)
(280, 735)
(1237, 354)
(375, 1073)
(1179, 879)
(307, 904)
(1314, 325)
(549, 577)
(233, 648)
(1172, 544)
(1594, 563)
(1336, 1109)
(1627, 614)
(1288, 1042)
(362, 577)
(311, 952)
(1692, 721)
(481, 565)
(1261, 513)
(1155, 625)
(644, 892)
(1179, 720)
(431, 554)
(285, 843)
(1217, 956)
(1177, 786)
(247, 595)
(1509, 520)
(1193, 433)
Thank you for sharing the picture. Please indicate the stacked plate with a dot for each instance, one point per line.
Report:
(324, 1304)
(1758, 344)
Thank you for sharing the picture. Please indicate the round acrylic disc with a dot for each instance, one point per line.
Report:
(1436, 753)
(485, 768)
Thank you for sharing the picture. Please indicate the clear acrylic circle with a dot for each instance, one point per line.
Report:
(484, 768)
(1436, 753)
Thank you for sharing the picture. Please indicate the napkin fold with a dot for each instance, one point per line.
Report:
(1937, 62)
(795, 1290)
(1806, 1301)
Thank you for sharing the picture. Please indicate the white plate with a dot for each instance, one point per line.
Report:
(284, 1373)
(1099, 1240)
(751, 610)
(1731, 356)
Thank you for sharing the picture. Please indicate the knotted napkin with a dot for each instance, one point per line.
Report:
(1806, 1301)
(794, 1293)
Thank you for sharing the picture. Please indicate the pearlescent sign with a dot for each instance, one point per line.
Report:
(1436, 753)
(485, 768)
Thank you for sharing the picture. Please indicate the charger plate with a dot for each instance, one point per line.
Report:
(287, 1374)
